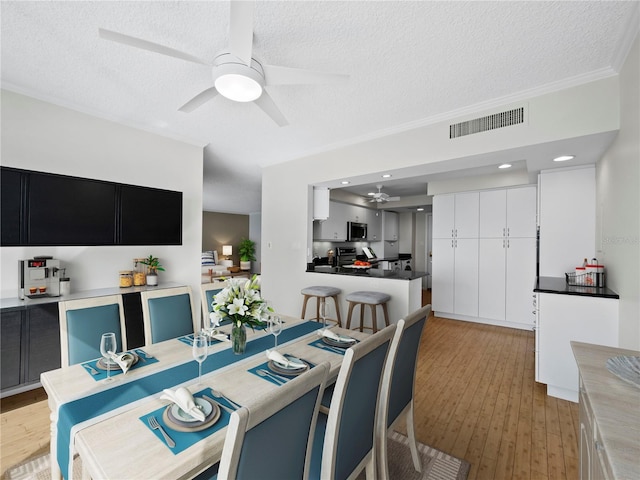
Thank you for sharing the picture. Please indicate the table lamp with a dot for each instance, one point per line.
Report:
(227, 251)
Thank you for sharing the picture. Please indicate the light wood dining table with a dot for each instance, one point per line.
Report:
(121, 446)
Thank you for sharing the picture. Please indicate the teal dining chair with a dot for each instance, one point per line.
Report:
(398, 382)
(208, 291)
(271, 437)
(345, 440)
(168, 313)
(82, 323)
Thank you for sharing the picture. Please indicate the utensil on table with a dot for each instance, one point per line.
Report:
(219, 394)
(224, 407)
(331, 349)
(91, 370)
(153, 423)
(275, 377)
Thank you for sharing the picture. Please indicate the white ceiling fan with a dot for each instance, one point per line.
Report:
(380, 197)
(236, 74)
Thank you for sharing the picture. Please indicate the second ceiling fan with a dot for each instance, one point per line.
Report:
(236, 74)
(381, 197)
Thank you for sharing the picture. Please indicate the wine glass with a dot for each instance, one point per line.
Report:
(200, 350)
(323, 313)
(275, 327)
(108, 345)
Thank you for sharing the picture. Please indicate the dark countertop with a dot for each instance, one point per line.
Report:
(370, 273)
(559, 285)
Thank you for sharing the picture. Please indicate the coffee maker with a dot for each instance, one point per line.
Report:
(39, 277)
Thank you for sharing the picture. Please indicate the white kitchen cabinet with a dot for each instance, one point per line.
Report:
(390, 225)
(565, 318)
(456, 215)
(335, 227)
(374, 225)
(520, 276)
(508, 213)
(455, 276)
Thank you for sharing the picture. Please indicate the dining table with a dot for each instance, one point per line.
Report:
(106, 421)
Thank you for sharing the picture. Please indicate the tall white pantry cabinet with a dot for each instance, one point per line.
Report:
(484, 253)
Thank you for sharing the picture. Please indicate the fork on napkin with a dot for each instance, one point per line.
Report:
(282, 360)
(183, 398)
(334, 336)
(124, 360)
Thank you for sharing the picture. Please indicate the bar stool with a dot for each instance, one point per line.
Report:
(373, 299)
(321, 293)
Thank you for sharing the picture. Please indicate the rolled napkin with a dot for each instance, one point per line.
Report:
(183, 398)
(124, 360)
(282, 360)
(334, 336)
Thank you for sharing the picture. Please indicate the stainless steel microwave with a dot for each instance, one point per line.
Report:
(356, 231)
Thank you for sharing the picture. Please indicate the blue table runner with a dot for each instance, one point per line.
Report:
(86, 408)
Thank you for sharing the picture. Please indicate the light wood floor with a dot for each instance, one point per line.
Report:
(476, 398)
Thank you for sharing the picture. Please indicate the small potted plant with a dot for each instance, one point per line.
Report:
(153, 267)
(247, 250)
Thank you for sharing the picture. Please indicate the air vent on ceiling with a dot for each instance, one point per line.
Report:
(490, 122)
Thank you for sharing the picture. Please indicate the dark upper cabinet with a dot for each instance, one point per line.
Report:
(57, 210)
(11, 205)
(150, 216)
(70, 211)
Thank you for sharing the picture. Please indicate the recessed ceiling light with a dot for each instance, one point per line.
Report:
(505, 165)
(386, 175)
(420, 209)
(345, 182)
(564, 158)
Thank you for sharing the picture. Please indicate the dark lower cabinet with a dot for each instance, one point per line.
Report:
(133, 320)
(30, 344)
(10, 348)
(43, 349)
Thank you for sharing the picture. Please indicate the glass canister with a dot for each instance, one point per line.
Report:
(126, 278)
(139, 272)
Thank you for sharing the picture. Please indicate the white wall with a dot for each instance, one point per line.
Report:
(618, 205)
(287, 226)
(40, 136)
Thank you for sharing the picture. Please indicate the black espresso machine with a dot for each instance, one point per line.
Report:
(39, 277)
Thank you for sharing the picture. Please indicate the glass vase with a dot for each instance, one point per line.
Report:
(238, 338)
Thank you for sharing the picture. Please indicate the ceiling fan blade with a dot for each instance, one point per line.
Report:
(199, 100)
(241, 30)
(266, 103)
(147, 45)
(275, 75)
(392, 199)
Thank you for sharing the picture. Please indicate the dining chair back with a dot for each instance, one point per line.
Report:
(271, 438)
(398, 382)
(168, 313)
(82, 323)
(345, 443)
(208, 291)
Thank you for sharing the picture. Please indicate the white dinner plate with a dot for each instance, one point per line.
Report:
(183, 416)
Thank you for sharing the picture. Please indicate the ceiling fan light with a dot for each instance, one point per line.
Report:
(238, 88)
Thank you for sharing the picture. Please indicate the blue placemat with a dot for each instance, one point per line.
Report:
(92, 365)
(320, 344)
(185, 439)
(188, 339)
(265, 366)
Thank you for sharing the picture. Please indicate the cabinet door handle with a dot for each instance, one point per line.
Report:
(503, 233)
(452, 233)
(507, 231)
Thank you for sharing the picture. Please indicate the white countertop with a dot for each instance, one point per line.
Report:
(15, 302)
(616, 407)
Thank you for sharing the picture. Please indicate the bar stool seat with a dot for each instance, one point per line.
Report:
(320, 293)
(373, 299)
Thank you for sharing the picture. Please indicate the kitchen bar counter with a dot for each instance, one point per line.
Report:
(559, 286)
(369, 273)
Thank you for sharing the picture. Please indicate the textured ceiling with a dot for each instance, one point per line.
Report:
(407, 61)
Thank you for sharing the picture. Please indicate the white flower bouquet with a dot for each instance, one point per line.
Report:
(241, 302)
